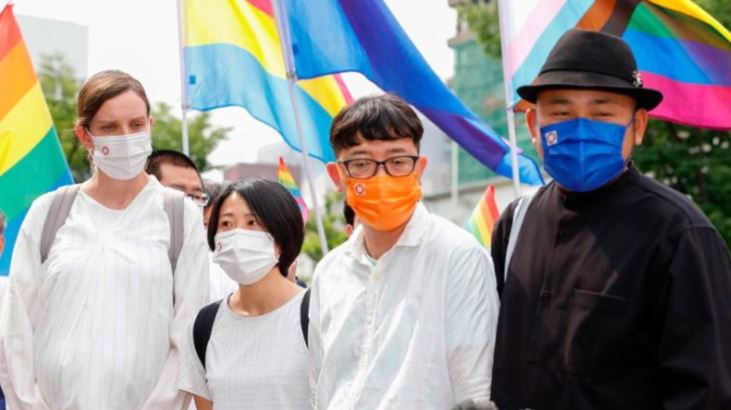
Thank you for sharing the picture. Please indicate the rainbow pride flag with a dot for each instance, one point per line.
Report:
(333, 36)
(31, 158)
(287, 180)
(680, 49)
(233, 57)
(484, 217)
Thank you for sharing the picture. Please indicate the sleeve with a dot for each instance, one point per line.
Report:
(694, 354)
(499, 246)
(17, 315)
(314, 339)
(471, 323)
(190, 285)
(192, 374)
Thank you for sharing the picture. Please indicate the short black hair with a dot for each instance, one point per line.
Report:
(171, 157)
(276, 210)
(349, 214)
(383, 117)
(213, 189)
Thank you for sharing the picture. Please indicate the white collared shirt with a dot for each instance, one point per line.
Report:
(414, 331)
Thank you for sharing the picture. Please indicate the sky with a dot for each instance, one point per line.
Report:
(141, 38)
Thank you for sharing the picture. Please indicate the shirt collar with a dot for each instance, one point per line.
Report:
(414, 235)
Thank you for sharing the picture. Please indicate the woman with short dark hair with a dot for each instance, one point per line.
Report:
(250, 349)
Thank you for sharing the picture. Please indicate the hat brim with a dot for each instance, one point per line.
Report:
(646, 98)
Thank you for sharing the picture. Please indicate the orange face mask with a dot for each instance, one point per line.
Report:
(383, 202)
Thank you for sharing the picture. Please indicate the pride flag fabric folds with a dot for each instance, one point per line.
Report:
(332, 36)
(233, 57)
(680, 49)
(287, 180)
(31, 158)
(484, 217)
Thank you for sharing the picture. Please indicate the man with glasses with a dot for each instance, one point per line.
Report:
(402, 315)
(175, 170)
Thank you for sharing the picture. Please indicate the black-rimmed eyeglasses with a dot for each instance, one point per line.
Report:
(363, 168)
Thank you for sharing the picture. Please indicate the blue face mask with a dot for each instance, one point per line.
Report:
(582, 154)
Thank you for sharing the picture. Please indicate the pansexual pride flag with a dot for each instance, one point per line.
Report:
(484, 217)
(332, 36)
(680, 49)
(233, 57)
(31, 159)
(287, 180)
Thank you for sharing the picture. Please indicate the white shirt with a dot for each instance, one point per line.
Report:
(257, 362)
(414, 331)
(95, 326)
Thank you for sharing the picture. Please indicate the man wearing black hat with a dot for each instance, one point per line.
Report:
(616, 290)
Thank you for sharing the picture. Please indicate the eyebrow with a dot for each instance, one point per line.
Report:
(397, 151)
(603, 100)
(231, 213)
(115, 121)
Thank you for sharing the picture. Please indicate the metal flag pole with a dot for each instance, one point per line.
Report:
(183, 78)
(280, 15)
(508, 84)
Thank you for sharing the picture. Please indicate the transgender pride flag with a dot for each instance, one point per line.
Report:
(680, 49)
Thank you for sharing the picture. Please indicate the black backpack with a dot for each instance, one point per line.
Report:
(203, 325)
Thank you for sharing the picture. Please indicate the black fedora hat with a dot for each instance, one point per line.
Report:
(592, 60)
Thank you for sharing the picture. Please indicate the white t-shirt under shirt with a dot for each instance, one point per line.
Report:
(252, 362)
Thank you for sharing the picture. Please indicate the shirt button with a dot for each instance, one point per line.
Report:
(545, 295)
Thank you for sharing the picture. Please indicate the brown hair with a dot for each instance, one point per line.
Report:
(104, 86)
(383, 117)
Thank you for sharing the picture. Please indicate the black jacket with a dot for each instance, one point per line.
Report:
(619, 298)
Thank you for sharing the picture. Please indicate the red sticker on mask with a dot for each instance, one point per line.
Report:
(359, 189)
(105, 150)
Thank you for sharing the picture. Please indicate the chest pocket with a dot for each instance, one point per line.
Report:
(597, 334)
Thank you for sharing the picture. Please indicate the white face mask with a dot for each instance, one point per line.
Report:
(246, 256)
(122, 157)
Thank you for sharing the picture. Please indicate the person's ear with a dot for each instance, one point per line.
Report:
(83, 135)
(531, 118)
(421, 164)
(333, 170)
(639, 127)
(151, 121)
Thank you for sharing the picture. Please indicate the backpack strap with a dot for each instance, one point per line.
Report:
(202, 328)
(305, 315)
(518, 216)
(173, 204)
(60, 208)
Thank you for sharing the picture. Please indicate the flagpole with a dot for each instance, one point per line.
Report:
(183, 77)
(280, 15)
(508, 84)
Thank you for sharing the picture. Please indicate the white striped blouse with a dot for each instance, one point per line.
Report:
(95, 326)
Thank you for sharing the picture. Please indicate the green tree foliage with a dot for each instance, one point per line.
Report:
(61, 86)
(202, 137)
(482, 19)
(693, 161)
(334, 224)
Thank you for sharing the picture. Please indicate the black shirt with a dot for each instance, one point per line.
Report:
(619, 298)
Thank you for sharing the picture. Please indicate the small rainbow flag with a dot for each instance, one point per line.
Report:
(681, 50)
(233, 57)
(484, 217)
(31, 159)
(287, 180)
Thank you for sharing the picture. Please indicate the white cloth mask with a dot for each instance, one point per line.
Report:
(245, 255)
(122, 157)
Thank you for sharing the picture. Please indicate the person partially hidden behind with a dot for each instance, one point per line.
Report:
(617, 292)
